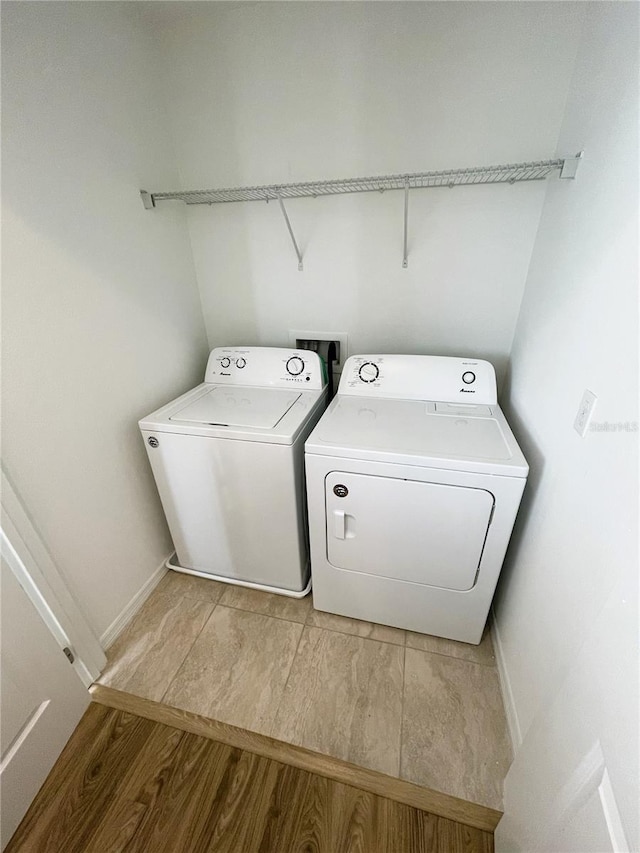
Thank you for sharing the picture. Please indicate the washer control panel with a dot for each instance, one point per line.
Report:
(420, 377)
(265, 366)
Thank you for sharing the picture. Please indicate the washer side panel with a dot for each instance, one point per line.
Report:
(233, 507)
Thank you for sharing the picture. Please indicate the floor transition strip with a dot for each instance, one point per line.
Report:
(399, 790)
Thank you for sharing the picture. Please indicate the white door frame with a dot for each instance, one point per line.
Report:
(29, 559)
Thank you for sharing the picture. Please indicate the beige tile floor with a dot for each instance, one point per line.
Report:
(417, 707)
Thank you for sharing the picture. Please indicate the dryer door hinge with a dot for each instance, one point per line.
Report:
(493, 509)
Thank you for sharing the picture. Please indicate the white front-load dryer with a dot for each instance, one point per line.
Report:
(228, 461)
(414, 479)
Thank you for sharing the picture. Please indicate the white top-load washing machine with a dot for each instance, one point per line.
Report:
(228, 460)
(413, 483)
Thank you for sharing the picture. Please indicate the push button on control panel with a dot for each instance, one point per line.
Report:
(468, 377)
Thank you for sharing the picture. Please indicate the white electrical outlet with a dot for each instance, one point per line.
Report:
(585, 410)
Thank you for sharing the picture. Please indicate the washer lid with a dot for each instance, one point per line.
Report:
(418, 433)
(260, 408)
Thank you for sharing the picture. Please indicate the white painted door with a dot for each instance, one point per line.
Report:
(42, 701)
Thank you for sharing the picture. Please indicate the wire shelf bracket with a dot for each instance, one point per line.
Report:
(405, 253)
(290, 229)
(511, 173)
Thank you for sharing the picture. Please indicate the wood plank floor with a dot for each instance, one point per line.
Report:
(124, 783)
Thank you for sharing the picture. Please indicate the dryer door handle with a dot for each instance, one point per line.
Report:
(344, 525)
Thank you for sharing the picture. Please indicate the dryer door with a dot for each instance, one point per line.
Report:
(409, 530)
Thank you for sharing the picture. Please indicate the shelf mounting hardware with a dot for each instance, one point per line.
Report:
(147, 200)
(511, 173)
(570, 166)
(405, 259)
(293, 239)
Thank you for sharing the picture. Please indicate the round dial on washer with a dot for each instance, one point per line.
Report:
(240, 363)
(295, 365)
(225, 362)
(468, 377)
(368, 372)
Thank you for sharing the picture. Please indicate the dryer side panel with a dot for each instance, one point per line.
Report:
(421, 532)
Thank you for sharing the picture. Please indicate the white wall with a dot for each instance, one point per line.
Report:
(274, 92)
(567, 607)
(101, 316)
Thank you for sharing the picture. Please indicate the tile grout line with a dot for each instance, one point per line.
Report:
(284, 687)
(204, 624)
(357, 636)
(404, 671)
(306, 623)
(453, 657)
(259, 613)
(175, 600)
(306, 620)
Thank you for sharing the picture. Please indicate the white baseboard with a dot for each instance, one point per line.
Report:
(126, 615)
(515, 733)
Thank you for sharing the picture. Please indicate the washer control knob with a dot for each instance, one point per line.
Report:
(295, 365)
(468, 377)
(240, 363)
(225, 362)
(368, 372)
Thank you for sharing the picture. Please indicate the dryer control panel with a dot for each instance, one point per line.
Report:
(271, 367)
(467, 381)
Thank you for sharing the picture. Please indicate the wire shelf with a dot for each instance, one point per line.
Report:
(510, 174)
